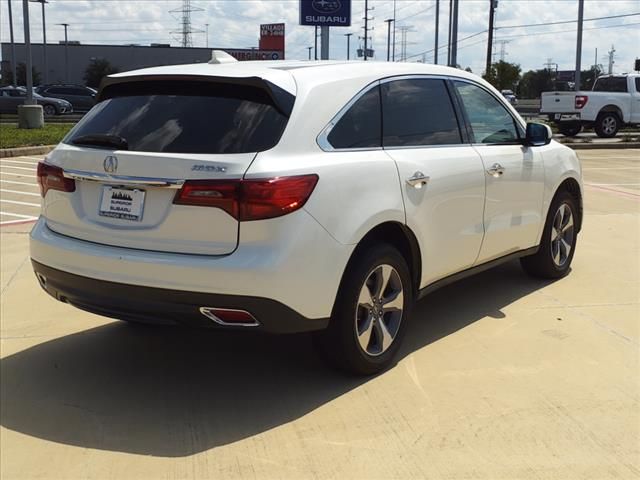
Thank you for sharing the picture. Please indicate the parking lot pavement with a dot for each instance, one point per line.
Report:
(19, 192)
(501, 377)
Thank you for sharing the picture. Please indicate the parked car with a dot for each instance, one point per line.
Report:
(298, 196)
(11, 97)
(613, 103)
(509, 95)
(82, 98)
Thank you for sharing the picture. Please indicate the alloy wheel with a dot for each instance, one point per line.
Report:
(609, 125)
(562, 235)
(379, 310)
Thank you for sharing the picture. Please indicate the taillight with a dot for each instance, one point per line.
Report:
(52, 178)
(246, 200)
(581, 101)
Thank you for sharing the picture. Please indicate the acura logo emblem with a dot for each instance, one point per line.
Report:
(110, 164)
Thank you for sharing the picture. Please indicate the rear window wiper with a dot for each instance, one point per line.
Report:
(102, 140)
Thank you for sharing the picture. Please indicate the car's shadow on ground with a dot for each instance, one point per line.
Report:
(172, 392)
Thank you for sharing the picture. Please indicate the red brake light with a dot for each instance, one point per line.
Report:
(254, 199)
(581, 101)
(52, 178)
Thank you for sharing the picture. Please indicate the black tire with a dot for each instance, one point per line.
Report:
(570, 129)
(49, 110)
(339, 344)
(542, 264)
(607, 125)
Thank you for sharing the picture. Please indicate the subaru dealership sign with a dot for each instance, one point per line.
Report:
(325, 13)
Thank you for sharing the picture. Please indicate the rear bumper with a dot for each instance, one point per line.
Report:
(164, 306)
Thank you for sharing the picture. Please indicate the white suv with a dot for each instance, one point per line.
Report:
(295, 196)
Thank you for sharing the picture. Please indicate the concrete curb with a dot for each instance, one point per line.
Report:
(602, 146)
(22, 151)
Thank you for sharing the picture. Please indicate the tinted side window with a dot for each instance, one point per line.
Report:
(611, 84)
(418, 112)
(78, 91)
(489, 119)
(361, 126)
(638, 84)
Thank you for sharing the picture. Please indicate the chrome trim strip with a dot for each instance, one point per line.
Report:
(124, 180)
(206, 311)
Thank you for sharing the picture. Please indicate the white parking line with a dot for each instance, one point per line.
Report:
(31, 194)
(15, 202)
(18, 174)
(19, 183)
(4, 162)
(18, 168)
(11, 222)
(33, 158)
(17, 215)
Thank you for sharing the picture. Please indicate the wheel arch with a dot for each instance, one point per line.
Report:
(572, 186)
(398, 236)
(611, 108)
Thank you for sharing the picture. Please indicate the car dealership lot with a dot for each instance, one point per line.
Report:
(501, 376)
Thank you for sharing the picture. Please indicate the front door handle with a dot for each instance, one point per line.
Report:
(496, 170)
(417, 180)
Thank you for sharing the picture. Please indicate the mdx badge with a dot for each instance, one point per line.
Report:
(110, 164)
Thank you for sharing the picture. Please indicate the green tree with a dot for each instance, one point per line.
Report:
(588, 77)
(534, 82)
(21, 73)
(97, 69)
(503, 75)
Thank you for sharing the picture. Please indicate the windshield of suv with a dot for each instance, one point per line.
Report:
(184, 117)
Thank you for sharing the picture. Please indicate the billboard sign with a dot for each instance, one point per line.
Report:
(325, 13)
(272, 37)
(566, 76)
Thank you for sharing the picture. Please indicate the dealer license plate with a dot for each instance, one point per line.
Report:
(123, 203)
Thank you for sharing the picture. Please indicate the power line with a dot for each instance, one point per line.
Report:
(570, 31)
(567, 21)
(445, 46)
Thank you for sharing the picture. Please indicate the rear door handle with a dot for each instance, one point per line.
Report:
(496, 170)
(417, 180)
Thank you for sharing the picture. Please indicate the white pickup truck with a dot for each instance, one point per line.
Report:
(613, 102)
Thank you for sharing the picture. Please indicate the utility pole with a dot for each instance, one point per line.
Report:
(185, 22)
(404, 31)
(492, 12)
(389, 22)
(309, 48)
(450, 29)
(611, 53)
(435, 47)
(13, 47)
(454, 35)
(66, 52)
(315, 43)
(27, 44)
(579, 45)
(348, 35)
(207, 34)
(44, 38)
(366, 28)
(393, 56)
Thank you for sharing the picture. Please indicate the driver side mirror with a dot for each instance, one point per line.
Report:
(538, 134)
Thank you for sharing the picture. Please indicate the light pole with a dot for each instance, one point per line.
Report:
(309, 48)
(389, 22)
(13, 47)
(66, 51)
(348, 35)
(579, 45)
(30, 113)
(44, 39)
(435, 49)
(207, 34)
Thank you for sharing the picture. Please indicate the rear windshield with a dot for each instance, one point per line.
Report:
(186, 117)
(610, 84)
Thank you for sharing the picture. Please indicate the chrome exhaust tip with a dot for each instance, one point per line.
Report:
(229, 317)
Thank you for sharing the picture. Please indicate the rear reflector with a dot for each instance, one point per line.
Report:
(228, 317)
(52, 178)
(253, 199)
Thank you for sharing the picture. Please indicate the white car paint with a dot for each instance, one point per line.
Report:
(461, 218)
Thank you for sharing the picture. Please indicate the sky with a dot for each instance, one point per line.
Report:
(235, 24)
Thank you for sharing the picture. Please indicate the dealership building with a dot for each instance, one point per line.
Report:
(68, 63)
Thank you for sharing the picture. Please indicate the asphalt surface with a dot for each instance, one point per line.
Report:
(501, 377)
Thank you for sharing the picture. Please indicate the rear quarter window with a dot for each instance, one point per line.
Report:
(611, 84)
(186, 117)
